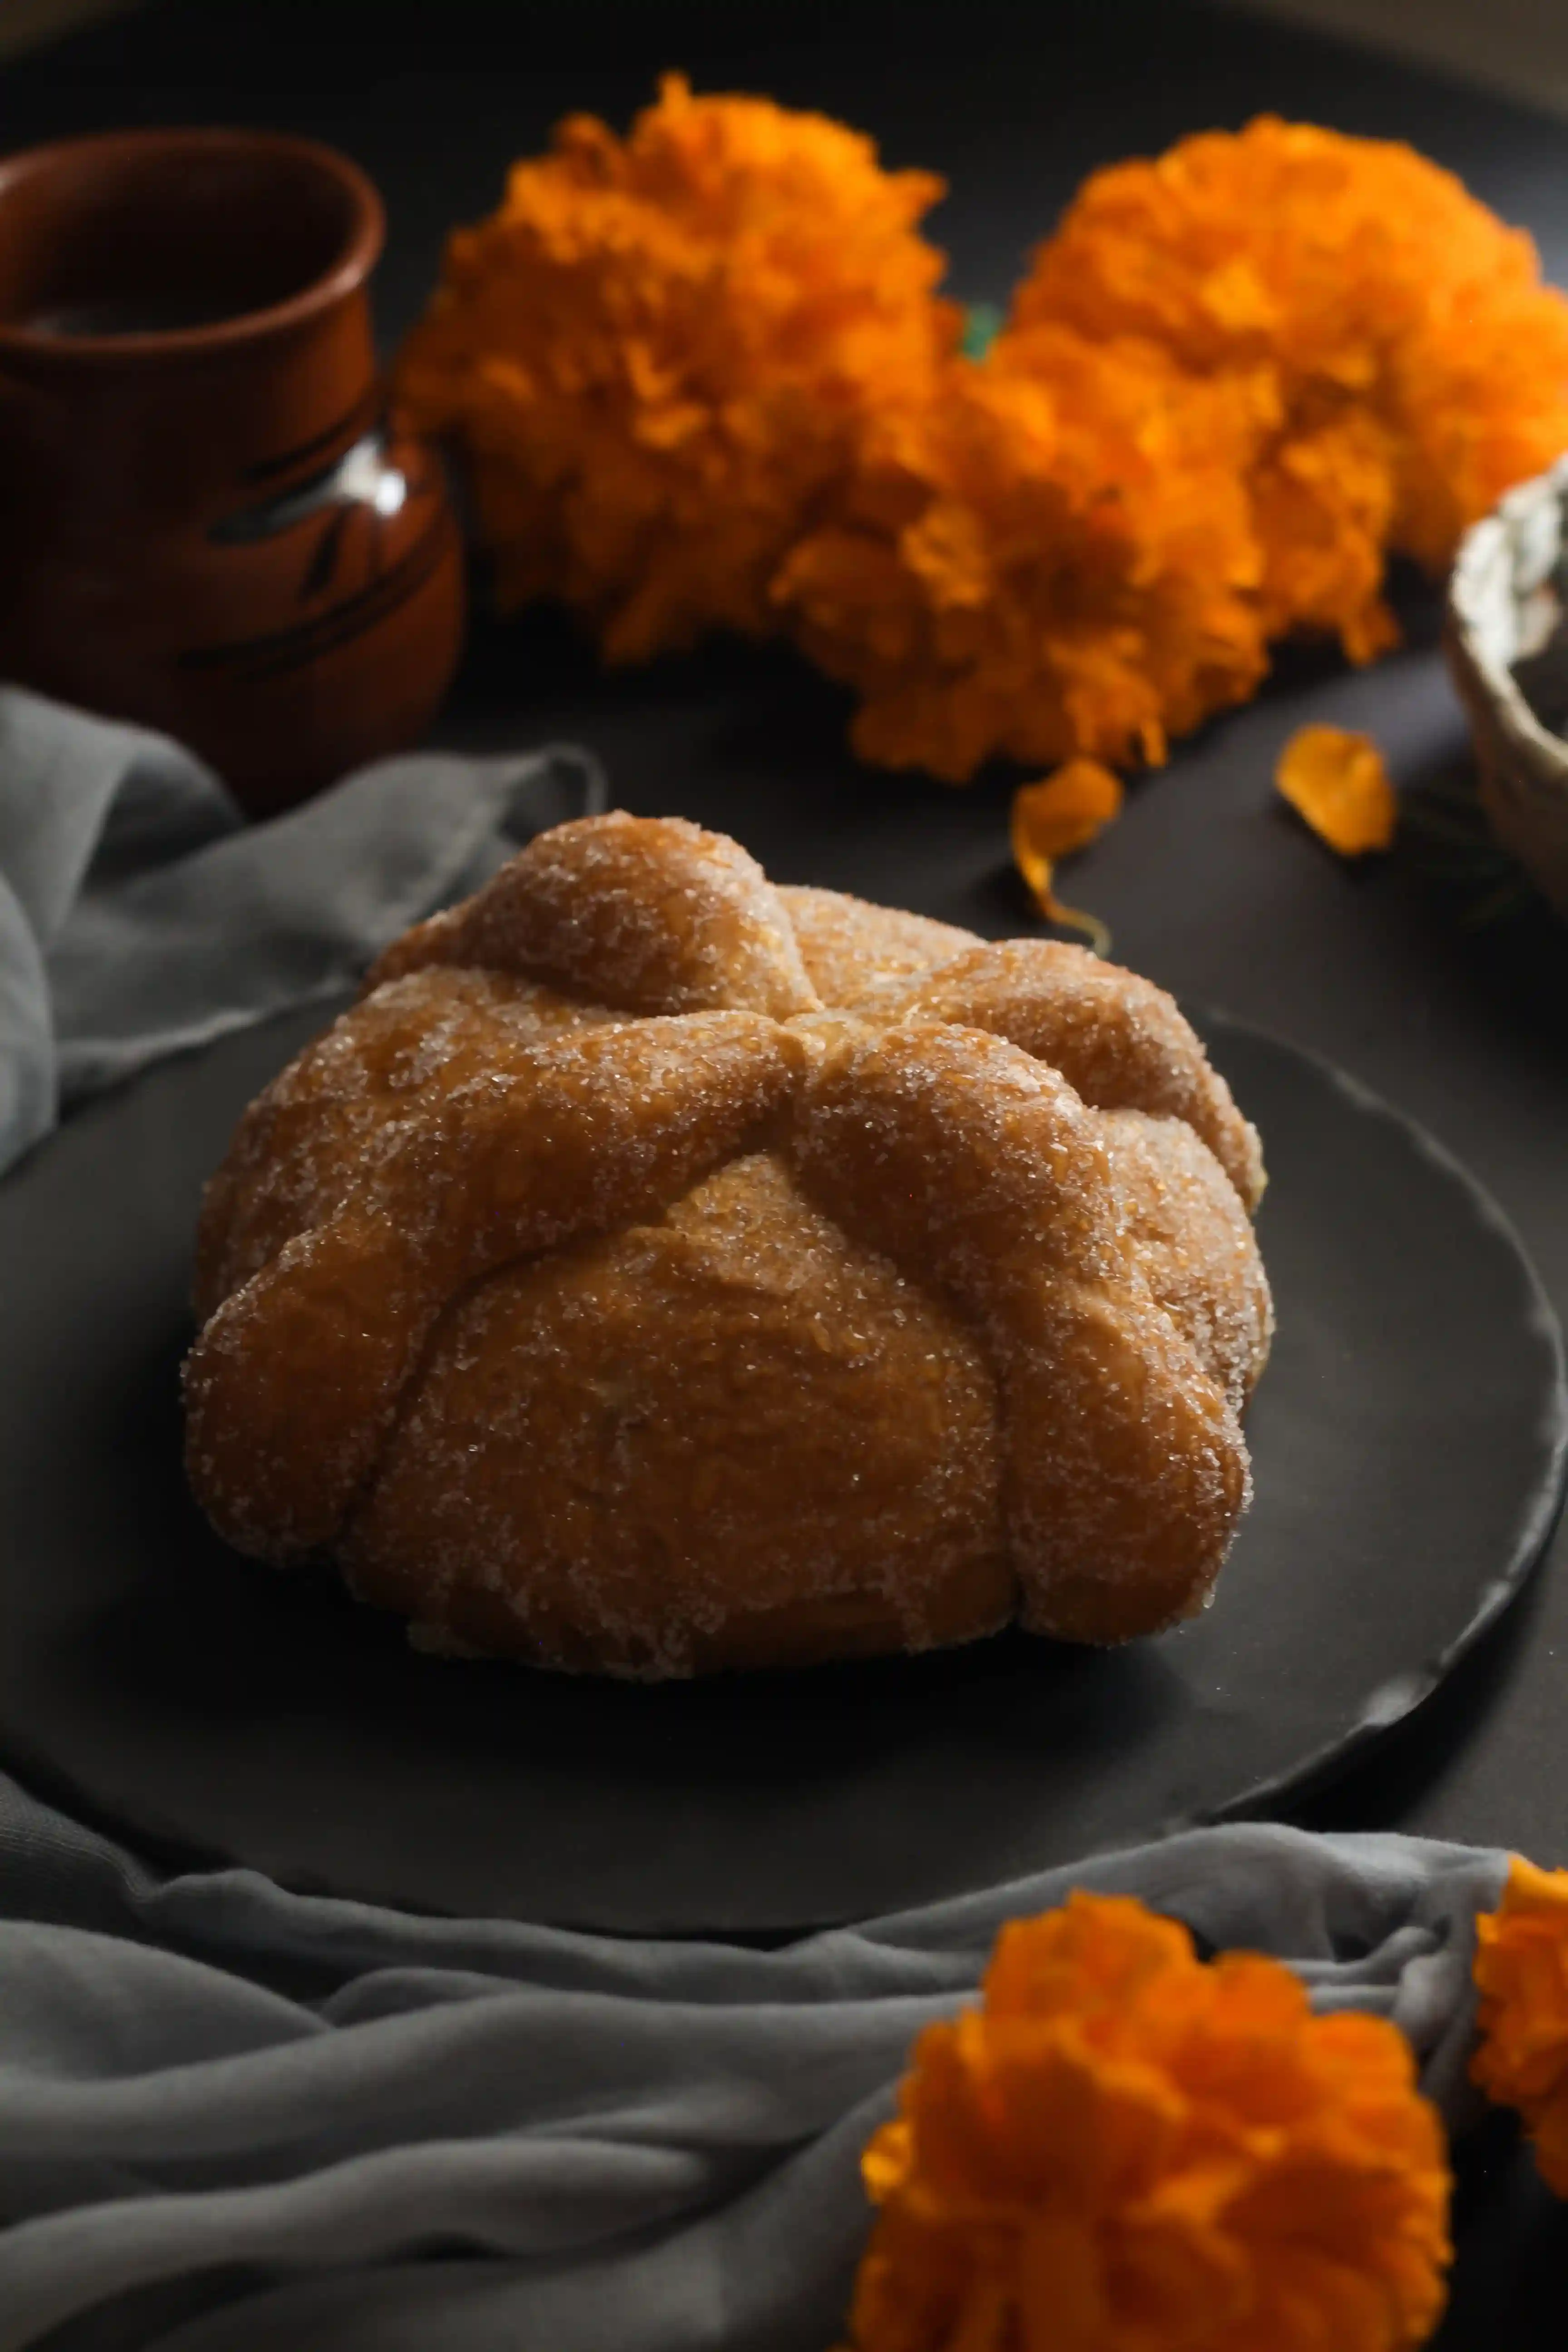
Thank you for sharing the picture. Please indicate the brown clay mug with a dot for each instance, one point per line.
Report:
(208, 522)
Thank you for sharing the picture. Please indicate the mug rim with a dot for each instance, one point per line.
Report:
(361, 250)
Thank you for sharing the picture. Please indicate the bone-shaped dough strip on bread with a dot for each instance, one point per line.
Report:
(415, 1038)
(650, 915)
(978, 1168)
(294, 1383)
(1120, 1042)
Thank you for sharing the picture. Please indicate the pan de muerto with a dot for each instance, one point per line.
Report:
(657, 1271)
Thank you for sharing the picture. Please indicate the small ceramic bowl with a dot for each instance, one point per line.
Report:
(1506, 637)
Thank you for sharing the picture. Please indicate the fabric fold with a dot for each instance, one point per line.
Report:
(644, 2143)
(140, 915)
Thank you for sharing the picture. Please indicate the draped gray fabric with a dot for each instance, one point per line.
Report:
(346, 2128)
(139, 914)
(235, 2119)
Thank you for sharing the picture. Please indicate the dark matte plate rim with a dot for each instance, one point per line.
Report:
(1402, 1698)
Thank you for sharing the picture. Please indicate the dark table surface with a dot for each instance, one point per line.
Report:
(1208, 884)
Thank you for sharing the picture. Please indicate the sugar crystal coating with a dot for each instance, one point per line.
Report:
(656, 1271)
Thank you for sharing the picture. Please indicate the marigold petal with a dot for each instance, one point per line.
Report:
(1336, 781)
(1064, 811)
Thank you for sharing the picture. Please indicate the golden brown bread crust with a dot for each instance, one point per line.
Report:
(656, 1271)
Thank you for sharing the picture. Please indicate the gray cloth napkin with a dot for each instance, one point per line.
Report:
(233, 2119)
(139, 914)
(309, 2122)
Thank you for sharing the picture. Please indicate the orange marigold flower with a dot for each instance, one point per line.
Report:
(659, 352)
(1039, 560)
(701, 378)
(1420, 364)
(1126, 2150)
(1336, 781)
(1521, 1975)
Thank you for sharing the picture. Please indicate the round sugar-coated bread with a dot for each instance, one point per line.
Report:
(658, 1272)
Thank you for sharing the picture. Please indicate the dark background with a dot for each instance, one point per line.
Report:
(1013, 99)
(1207, 882)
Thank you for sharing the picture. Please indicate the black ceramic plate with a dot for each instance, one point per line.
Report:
(1408, 1443)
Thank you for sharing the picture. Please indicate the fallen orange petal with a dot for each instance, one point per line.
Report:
(1064, 811)
(1336, 781)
